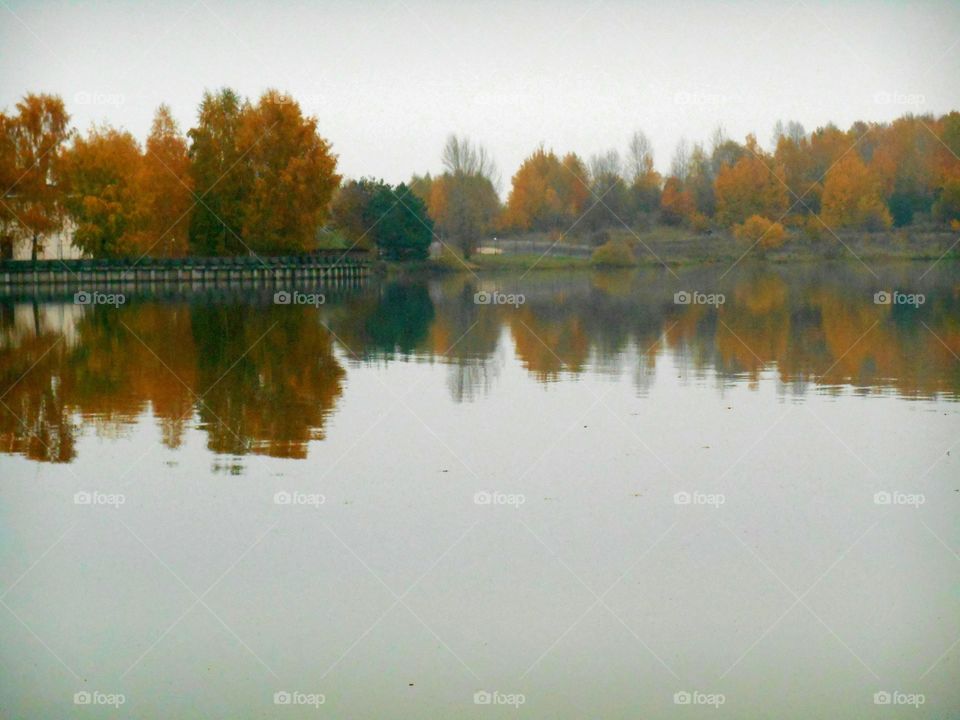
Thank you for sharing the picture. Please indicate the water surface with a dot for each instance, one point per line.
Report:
(596, 499)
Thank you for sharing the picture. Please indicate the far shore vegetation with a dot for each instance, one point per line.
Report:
(258, 177)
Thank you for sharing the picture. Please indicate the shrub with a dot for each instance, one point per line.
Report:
(613, 253)
(757, 229)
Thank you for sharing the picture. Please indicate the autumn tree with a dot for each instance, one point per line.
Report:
(164, 188)
(463, 201)
(904, 162)
(292, 175)
(8, 180)
(645, 182)
(754, 185)
(38, 133)
(102, 172)
(852, 197)
(221, 180)
(757, 230)
(676, 203)
(546, 192)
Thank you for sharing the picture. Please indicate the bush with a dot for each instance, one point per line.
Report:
(599, 237)
(613, 253)
(759, 229)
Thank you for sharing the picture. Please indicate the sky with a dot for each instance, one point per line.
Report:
(389, 81)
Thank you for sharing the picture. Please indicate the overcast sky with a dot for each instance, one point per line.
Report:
(390, 80)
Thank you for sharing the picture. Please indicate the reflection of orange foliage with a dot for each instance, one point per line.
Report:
(548, 347)
(127, 360)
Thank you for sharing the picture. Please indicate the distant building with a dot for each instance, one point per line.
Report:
(56, 246)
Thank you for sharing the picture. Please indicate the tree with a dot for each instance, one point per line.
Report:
(610, 202)
(221, 180)
(546, 193)
(639, 156)
(676, 203)
(165, 188)
(101, 173)
(8, 180)
(293, 176)
(680, 164)
(754, 185)
(904, 161)
(463, 201)
(403, 228)
(370, 212)
(760, 230)
(39, 132)
(852, 197)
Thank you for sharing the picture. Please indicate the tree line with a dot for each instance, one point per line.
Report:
(248, 178)
(870, 177)
(257, 177)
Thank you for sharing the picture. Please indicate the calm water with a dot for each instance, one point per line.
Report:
(588, 502)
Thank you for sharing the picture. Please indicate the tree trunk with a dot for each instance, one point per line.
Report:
(33, 248)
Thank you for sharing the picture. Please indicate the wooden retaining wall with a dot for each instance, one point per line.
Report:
(150, 273)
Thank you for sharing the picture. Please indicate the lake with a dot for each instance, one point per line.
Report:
(638, 494)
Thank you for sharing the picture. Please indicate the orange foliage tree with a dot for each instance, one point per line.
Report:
(852, 197)
(38, 133)
(546, 193)
(165, 189)
(754, 185)
(101, 173)
(292, 175)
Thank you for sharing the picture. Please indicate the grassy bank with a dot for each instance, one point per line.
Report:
(678, 247)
